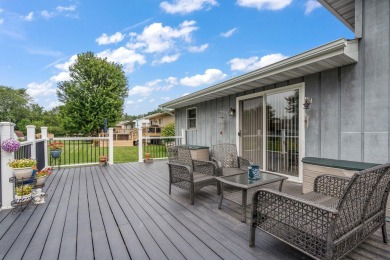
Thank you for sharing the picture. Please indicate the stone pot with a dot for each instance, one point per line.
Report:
(41, 180)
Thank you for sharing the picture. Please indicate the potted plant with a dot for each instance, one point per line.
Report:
(42, 175)
(10, 145)
(55, 149)
(102, 160)
(22, 168)
(23, 193)
(147, 158)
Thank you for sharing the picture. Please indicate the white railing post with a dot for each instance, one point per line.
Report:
(140, 141)
(31, 137)
(183, 137)
(7, 132)
(44, 137)
(111, 145)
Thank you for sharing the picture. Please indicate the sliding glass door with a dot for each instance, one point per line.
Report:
(269, 131)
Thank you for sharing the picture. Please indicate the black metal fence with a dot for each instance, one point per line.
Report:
(156, 147)
(23, 152)
(40, 153)
(79, 151)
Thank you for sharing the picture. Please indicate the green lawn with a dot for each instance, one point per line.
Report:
(80, 152)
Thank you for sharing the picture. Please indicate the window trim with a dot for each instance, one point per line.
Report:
(187, 119)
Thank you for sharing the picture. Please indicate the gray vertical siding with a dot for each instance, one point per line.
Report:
(349, 118)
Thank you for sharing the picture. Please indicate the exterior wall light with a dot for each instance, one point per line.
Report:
(307, 103)
(232, 112)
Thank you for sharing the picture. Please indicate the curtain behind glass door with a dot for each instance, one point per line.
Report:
(251, 125)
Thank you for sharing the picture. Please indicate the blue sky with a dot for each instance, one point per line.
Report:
(167, 48)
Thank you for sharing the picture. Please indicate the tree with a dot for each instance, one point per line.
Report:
(168, 130)
(97, 90)
(14, 104)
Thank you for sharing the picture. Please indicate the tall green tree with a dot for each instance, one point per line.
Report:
(97, 90)
(14, 104)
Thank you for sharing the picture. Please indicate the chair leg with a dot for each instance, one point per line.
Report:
(192, 198)
(170, 184)
(252, 234)
(218, 188)
(384, 233)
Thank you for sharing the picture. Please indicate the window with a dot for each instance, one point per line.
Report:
(191, 118)
(160, 121)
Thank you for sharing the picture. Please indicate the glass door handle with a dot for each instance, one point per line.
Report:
(239, 133)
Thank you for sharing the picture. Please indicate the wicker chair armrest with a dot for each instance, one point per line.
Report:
(265, 196)
(219, 165)
(183, 169)
(243, 163)
(206, 167)
(330, 185)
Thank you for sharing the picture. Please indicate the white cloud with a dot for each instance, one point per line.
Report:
(210, 76)
(185, 94)
(130, 102)
(1, 20)
(65, 66)
(70, 8)
(265, 4)
(41, 89)
(254, 62)
(128, 58)
(141, 91)
(167, 59)
(200, 48)
(28, 17)
(157, 38)
(46, 14)
(310, 5)
(187, 6)
(172, 80)
(229, 33)
(105, 39)
(165, 98)
(140, 100)
(152, 100)
(1, 10)
(62, 76)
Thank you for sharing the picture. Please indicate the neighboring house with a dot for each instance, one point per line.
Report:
(262, 111)
(161, 119)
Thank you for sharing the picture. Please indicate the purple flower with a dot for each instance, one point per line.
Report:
(10, 145)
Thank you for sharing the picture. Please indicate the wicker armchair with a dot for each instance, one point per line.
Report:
(229, 163)
(330, 221)
(189, 174)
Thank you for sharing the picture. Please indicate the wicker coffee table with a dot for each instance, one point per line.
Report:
(247, 187)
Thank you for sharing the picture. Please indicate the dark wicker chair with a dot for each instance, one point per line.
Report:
(189, 174)
(330, 221)
(229, 163)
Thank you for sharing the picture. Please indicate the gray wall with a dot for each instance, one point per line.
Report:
(349, 117)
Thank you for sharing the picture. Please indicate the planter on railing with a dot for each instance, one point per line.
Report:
(55, 153)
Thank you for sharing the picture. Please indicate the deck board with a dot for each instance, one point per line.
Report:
(124, 211)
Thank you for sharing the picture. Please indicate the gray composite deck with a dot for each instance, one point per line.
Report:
(124, 211)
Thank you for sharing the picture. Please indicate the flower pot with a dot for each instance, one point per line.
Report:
(55, 153)
(23, 199)
(23, 172)
(41, 180)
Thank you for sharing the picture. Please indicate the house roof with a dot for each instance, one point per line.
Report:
(159, 115)
(343, 10)
(332, 55)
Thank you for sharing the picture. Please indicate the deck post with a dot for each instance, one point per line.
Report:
(111, 145)
(183, 137)
(31, 137)
(44, 137)
(6, 132)
(140, 141)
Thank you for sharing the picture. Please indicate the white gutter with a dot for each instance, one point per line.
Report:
(341, 46)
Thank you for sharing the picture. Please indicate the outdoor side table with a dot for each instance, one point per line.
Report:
(246, 186)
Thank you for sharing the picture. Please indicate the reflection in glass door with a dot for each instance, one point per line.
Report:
(283, 132)
(277, 116)
(251, 122)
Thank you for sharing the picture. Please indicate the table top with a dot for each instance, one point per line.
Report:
(241, 180)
